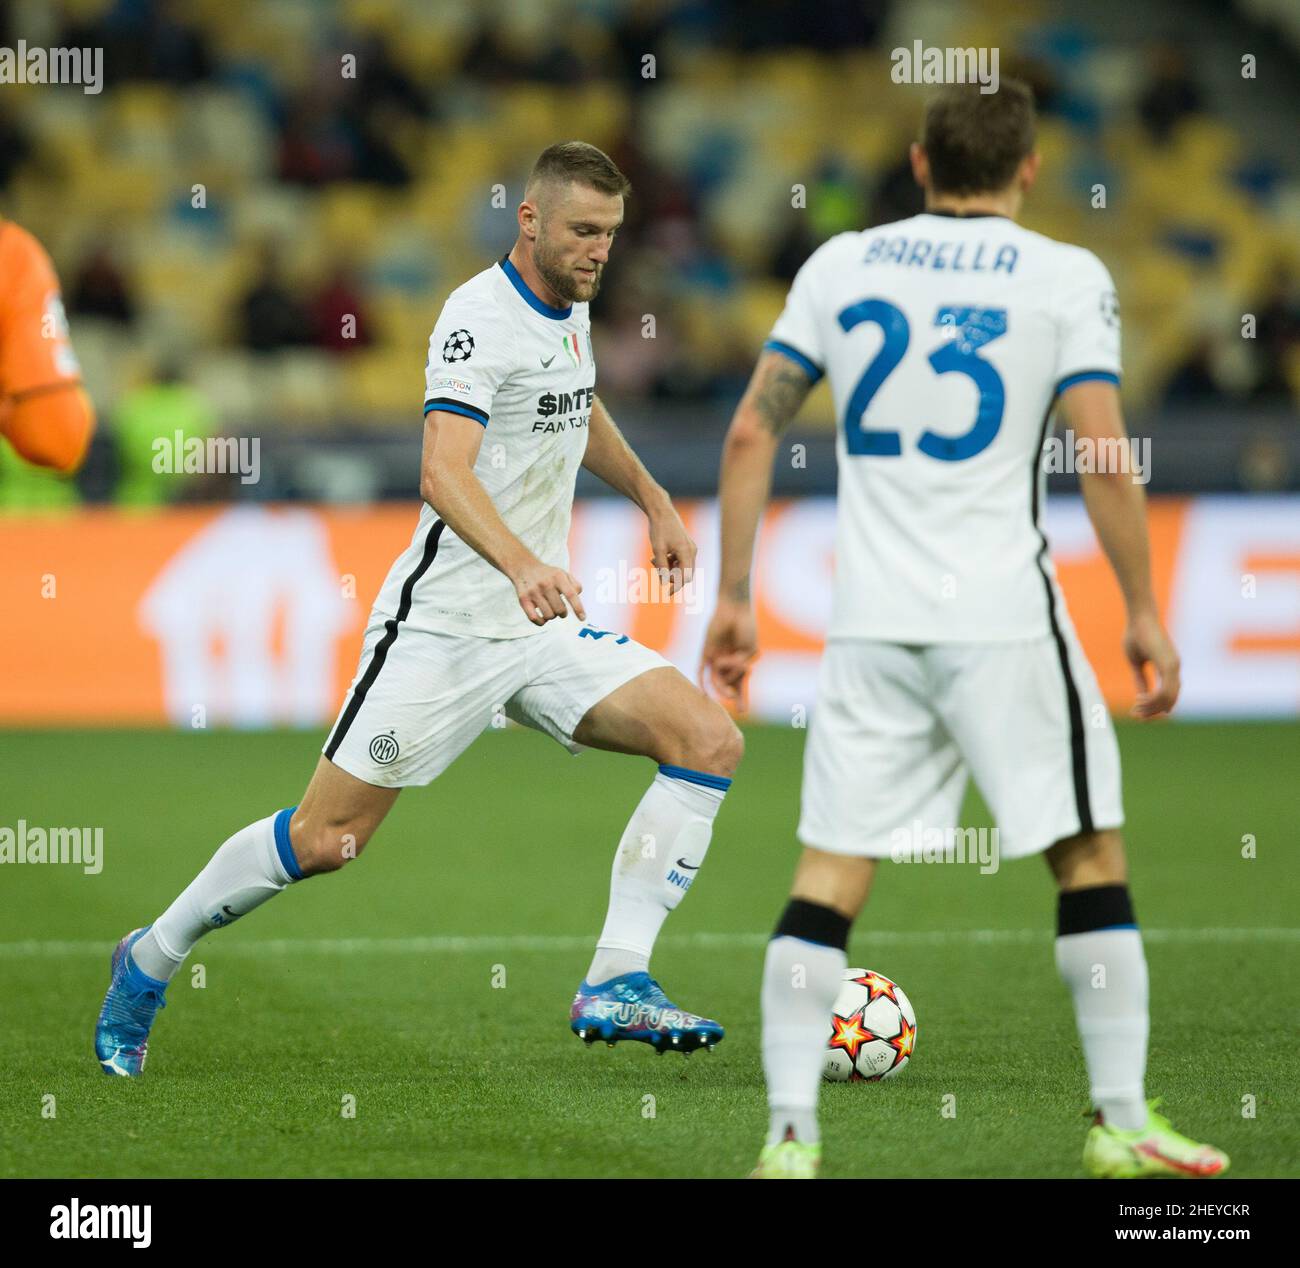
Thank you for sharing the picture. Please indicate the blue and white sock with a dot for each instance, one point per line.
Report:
(801, 977)
(253, 865)
(658, 857)
(1099, 956)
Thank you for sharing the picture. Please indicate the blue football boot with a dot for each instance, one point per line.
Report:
(634, 1007)
(122, 1031)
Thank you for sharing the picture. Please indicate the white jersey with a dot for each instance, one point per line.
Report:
(525, 371)
(946, 339)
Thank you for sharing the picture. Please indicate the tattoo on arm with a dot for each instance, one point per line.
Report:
(740, 591)
(779, 389)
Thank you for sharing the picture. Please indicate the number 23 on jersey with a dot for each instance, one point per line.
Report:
(965, 331)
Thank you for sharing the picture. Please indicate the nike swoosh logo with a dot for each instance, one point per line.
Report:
(690, 867)
(1188, 1168)
(546, 365)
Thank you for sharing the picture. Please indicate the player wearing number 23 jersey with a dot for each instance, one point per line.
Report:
(946, 340)
(949, 339)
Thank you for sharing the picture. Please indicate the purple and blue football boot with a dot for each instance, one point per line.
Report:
(634, 1006)
(122, 1031)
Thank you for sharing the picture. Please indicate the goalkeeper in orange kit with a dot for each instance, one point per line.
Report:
(45, 413)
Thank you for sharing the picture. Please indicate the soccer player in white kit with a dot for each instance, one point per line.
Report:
(480, 616)
(949, 339)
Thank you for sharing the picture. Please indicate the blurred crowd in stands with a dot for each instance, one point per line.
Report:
(269, 201)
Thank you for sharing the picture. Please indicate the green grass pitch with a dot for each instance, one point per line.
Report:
(378, 983)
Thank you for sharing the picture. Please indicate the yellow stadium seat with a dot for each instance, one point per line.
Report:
(757, 307)
(382, 381)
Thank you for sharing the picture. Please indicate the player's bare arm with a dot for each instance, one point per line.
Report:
(1117, 507)
(449, 485)
(610, 457)
(773, 398)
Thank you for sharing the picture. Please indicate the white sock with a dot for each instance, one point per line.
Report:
(249, 868)
(658, 857)
(800, 982)
(1106, 972)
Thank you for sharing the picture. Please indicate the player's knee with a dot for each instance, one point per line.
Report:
(1089, 858)
(325, 844)
(711, 742)
(732, 746)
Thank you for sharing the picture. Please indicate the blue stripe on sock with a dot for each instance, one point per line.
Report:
(283, 846)
(720, 782)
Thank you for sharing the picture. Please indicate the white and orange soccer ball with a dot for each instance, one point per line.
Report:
(873, 1029)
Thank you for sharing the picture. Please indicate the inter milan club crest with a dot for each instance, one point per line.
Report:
(383, 750)
(459, 346)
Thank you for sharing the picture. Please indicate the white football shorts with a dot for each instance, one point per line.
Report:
(898, 729)
(420, 699)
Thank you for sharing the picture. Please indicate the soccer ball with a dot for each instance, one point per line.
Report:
(873, 1029)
